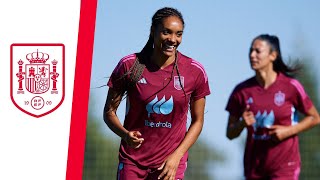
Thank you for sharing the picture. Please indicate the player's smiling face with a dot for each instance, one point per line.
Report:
(168, 35)
(261, 56)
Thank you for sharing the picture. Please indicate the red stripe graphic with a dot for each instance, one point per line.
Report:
(30, 85)
(79, 112)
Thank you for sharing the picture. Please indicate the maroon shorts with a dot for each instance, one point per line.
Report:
(133, 172)
(286, 171)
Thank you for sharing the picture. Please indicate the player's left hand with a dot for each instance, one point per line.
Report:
(279, 132)
(169, 167)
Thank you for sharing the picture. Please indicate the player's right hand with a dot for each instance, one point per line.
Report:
(133, 139)
(248, 116)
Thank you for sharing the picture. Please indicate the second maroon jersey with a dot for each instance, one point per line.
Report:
(157, 106)
(276, 105)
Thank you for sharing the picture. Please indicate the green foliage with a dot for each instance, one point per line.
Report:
(309, 140)
(200, 155)
(101, 158)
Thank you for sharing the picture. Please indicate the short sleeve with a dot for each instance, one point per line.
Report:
(234, 105)
(202, 88)
(119, 77)
(301, 101)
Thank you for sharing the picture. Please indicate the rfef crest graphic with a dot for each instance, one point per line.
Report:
(37, 77)
(178, 82)
(279, 98)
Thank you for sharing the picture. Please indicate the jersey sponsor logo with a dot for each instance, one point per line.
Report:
(263, 121)
(261, 137)
(161, 106)
(157, 124)
(279, 98)
(176, 82)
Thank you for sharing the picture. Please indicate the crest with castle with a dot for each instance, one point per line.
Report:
(37, 74)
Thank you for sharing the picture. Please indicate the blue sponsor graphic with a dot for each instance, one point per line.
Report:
(263, 120)
(261, 137)
(161, 106)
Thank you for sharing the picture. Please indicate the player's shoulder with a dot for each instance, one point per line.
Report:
(245, 84)
(190, 63)
(184, 58)
(128, 59)
(292, 84)
(192, 66)
(289, 82)
(125, 62)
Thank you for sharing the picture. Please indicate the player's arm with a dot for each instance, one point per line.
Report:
(197, 118)
(132, 138)
(235, 125)
(110, 113)
(310, 120)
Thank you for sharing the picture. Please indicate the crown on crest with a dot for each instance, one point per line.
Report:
(20, 62)
(54, 62)
(37, 57)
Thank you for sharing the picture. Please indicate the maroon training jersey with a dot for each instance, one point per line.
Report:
(276, 105)
(157, 106)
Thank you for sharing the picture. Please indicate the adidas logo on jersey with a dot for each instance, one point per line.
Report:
(142, 81)
(250, 101)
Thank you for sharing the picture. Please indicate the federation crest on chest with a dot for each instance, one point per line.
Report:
(279, 98)
(37, 77)
(178, 82)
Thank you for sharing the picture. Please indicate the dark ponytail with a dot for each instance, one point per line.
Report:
(279, 65)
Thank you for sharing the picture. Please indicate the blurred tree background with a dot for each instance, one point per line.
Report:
(100, 160)
(309, 140)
